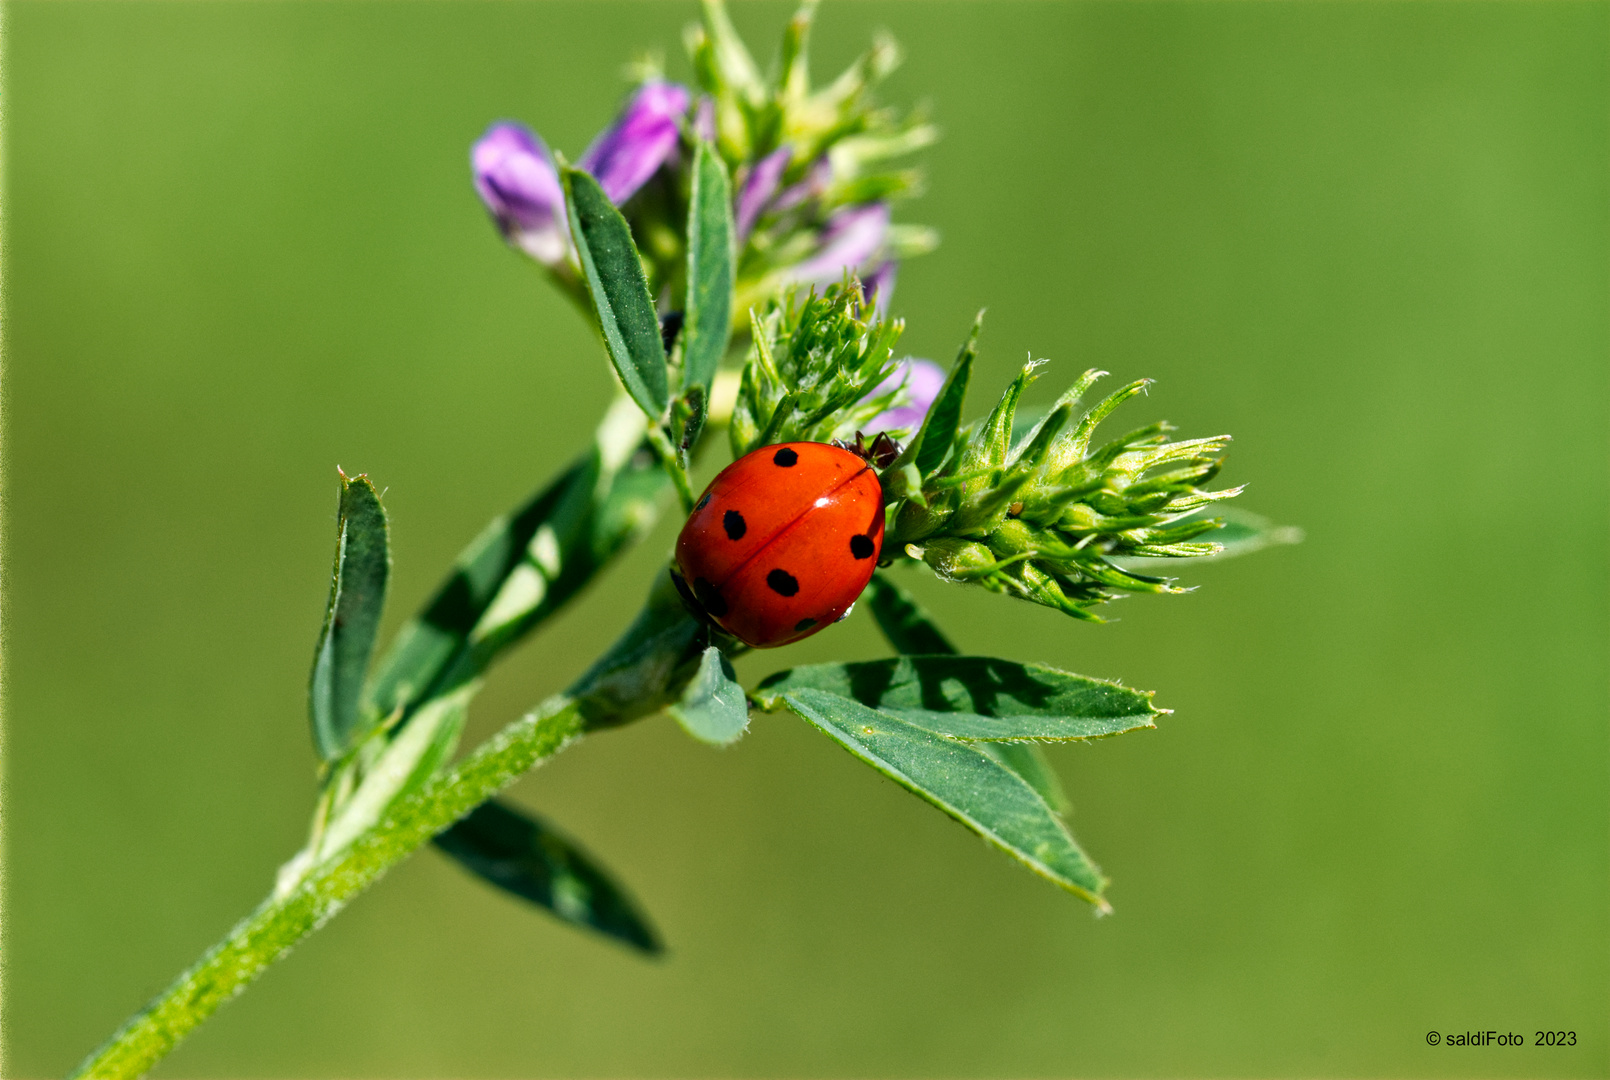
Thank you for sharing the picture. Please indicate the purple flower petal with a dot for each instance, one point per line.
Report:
(704, 120)
(642, 138)
(811, 187)
(759, 188)
(515, 178)
(923, 380)
(849, 241)
(878, 287)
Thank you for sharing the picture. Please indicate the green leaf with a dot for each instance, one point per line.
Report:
(969, 785)
(976, 697)
(522, 854)
(708, 319)
(911, 631)
(990, 445)
(411, 756)
(351, 621)
(1028, 760)
(944, 416)
(526, 566)
(713, 709)
(614, 273)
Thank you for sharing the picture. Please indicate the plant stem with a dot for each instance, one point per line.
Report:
(640, 673)
(269, 932)
(673, 466)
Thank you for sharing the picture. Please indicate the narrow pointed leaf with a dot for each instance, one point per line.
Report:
(351, 620)
(708, 318)
(912, 631)
(944, 416)
(969, 785)
(793, 79)
(713, 709)
(525, 566)
(614, 274)
(976, 697)
(1033, 454)
(522, 854)
(411, 757)
(1243, 533)
(736, 65)
(989, 447)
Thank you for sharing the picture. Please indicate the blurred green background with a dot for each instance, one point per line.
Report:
(1368, 239)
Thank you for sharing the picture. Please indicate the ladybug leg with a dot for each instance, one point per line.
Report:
(884, 451)
(689, 601)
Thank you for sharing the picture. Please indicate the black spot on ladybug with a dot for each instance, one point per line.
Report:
(782, 582)
(785, 457)
(804, 624)
(709, 597)
(735, 525)
(704, 502)
(861, 546)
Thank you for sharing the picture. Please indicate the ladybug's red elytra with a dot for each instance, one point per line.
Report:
(783, 541)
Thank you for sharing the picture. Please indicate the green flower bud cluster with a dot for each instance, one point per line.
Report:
(1043, 516)
(812, 169)
(814, 369)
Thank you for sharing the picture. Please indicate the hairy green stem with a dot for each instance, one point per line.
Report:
(643, 671)
(270, 932)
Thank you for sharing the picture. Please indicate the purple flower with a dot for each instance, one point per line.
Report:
(851, 238)
(515, 177)
(923, 380)
(815, 182)
(642, 138)
(759, 188)
(878, 287)
(704, 120)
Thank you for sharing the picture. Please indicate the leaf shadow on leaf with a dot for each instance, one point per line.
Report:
(985, 680)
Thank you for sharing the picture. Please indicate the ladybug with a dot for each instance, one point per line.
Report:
(782, 541)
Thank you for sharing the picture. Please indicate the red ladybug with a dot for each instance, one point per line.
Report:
(783, 541)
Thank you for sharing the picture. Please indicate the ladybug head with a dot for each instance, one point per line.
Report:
(882, 451)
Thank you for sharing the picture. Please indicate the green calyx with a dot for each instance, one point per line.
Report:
(842, 148)
(1042, 515)
(812, 365)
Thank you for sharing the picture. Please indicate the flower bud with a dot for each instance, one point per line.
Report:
(1010, 537)
(515, 178)
(956, 559)
(643, 138)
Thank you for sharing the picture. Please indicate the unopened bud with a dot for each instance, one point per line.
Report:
(515, 177)
(641, 139)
